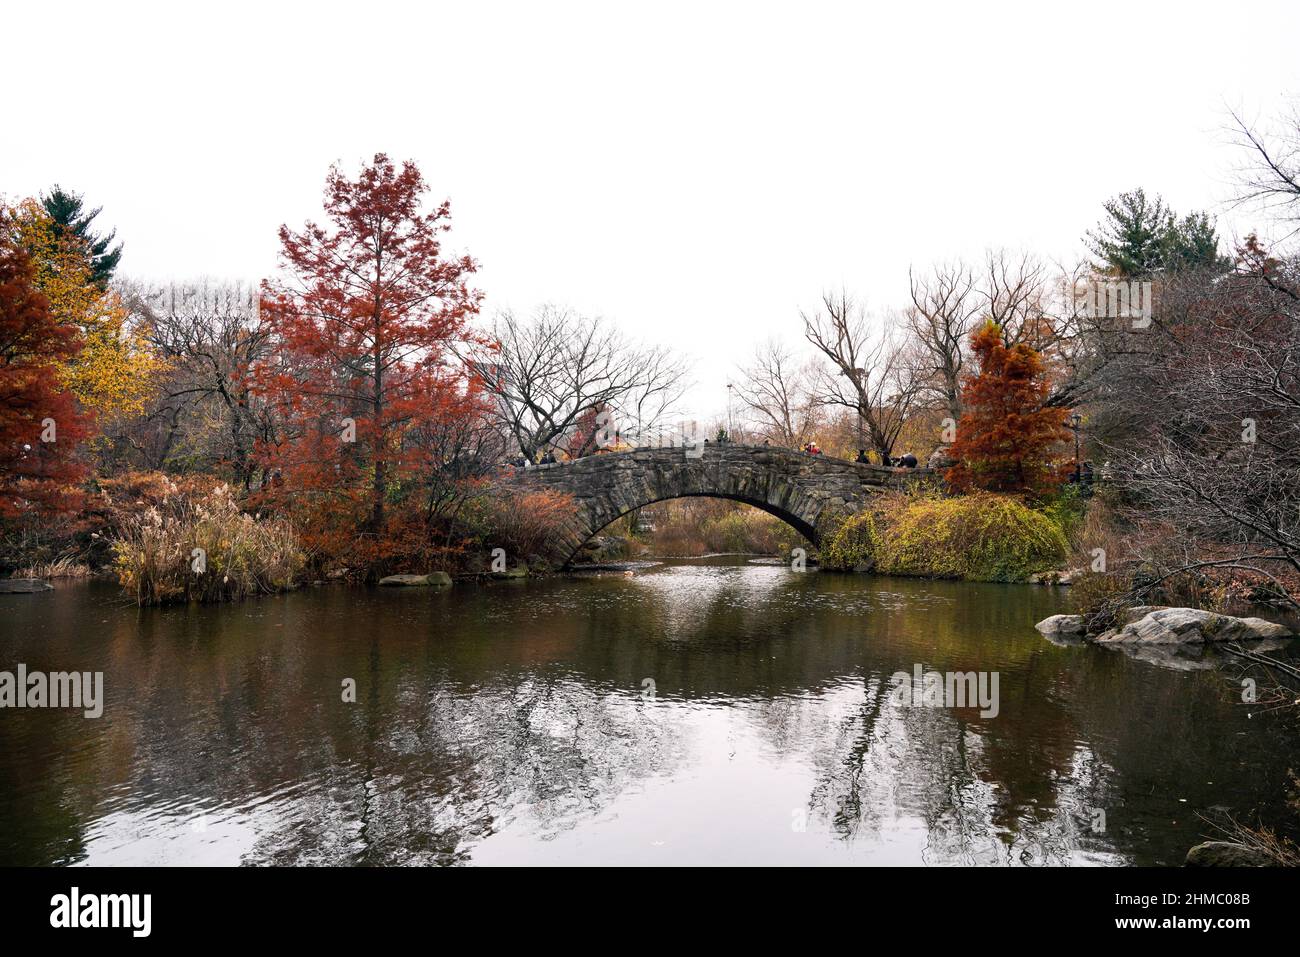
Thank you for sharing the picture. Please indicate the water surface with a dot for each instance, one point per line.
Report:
(707, 712)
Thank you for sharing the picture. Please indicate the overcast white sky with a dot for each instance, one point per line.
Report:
(695, 172)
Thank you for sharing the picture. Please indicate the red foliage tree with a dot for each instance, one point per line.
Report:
(1006, 435)
(41, 424)
(364, 327)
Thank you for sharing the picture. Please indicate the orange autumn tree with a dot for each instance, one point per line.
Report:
(365, 322)
(1007, 432)
(41, 422)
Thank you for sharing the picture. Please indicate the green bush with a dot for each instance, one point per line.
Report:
(979, 537)
(1067, 508)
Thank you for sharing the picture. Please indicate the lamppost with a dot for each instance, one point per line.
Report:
(1076, 420)
(731, 425)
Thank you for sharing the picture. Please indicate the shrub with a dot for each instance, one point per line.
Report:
(852, 546)
(523, 524)
(980, 537)
(1068, 508)
(701, 526)
(1100, 597)
(154, 553)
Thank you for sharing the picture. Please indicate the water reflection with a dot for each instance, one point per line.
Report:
(509, 723)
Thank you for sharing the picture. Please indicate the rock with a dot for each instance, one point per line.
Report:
(941, 458)
(433, 579)
(1137, 612)
(23, 586)
(1170, 626)
(1226, 854)
(1061, 627)
(600, 549)
(1062, 577)
(519, 572)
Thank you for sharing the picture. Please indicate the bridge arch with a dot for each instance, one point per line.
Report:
(802, 490)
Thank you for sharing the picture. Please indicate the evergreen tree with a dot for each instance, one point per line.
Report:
(70, 216)
(1192, 242)
(1140, 237)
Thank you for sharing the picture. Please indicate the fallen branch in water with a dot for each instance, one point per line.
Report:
(1264, 660)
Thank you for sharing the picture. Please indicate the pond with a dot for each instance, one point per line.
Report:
(716, 711)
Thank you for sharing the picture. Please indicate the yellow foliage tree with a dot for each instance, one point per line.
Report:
(116, 369)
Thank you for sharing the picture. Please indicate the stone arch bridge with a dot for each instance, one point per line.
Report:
(802, 490)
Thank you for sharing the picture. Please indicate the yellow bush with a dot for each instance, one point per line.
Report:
(852, 546)
(979, 537)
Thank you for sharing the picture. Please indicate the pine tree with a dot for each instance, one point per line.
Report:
(1140, 237)
(70, 217)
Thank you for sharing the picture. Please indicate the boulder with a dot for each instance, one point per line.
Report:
(941, 458)
(1172, 626)
(601, 548)
(23, 586)
(519, 572)
(1137, 612)
(1060, 577)
(1061, 627)
(433, 579)
(1226, 854)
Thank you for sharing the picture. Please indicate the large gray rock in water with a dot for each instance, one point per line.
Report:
(1173, 626)
(1061, 627)
(23, 586)
(1226, 854)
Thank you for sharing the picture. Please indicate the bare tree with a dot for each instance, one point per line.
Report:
(866, 370)
(549, 375)
(1016, 291)
(1205, 425)
(779, 393)
(211, 335)
(945, 310)
(1270, 178)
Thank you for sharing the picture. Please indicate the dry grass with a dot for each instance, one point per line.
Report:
(66, 566)
(204, 550)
